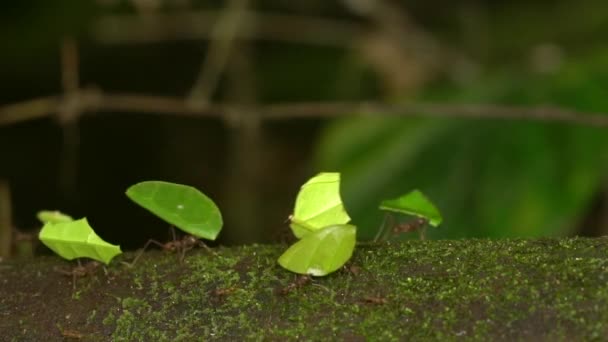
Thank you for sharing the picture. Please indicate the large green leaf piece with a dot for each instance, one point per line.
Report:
(76, 239)
(414, 203)
(318, 205)
(180, 205)
(321, 252)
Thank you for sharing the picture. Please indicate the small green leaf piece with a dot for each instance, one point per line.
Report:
(76, 239)
(322, 251)
(414, 203)
(318, 205)
(180, 205)
(53, 216)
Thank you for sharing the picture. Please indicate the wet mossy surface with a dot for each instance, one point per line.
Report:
(547, 289)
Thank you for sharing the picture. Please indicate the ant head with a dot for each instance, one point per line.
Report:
(421, 221)
(191, 240)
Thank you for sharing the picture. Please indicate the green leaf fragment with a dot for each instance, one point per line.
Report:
(76, 239)
(53, 216)
(318, 205)
(321, 252)
(414, 203)
(180, 205)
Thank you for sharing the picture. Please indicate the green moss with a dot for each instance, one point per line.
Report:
(447, 290)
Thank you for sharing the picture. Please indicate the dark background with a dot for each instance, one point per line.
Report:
(490, 178)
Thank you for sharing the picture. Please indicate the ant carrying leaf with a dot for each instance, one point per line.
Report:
(413, 203)
(79, 271)
(180, 246)
(75, 240)
(181, 206)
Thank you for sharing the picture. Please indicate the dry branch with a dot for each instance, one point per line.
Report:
(94, 102)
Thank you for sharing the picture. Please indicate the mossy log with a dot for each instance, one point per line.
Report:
(487, 290)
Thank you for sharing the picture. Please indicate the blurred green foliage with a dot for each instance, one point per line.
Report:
(489, 178)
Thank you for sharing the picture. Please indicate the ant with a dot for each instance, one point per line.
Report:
(299, 282)
(182, 245)
(79, 271)
(224, 292)
(352, 269)
(418, 224)
(375, 300)
(220, 294)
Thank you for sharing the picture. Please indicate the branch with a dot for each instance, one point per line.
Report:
(94, 101)
(69, 113)
(29, 110)
(219, 51)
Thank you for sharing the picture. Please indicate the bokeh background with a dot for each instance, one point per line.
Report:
(99, 95)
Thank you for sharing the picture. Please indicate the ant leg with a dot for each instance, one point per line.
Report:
(143, 250)
(387, 225)
(173, 234)
(207, 248)
(182, 253)
(199, 243)
(381, 229)
(79, 267)
(422, 232)
(391, 226)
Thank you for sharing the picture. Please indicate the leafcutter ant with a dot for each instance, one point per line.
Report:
(299, 282)
(180, 246)
(224, 292)
(221, 294)
(418, 224)
(71, 334)
(79, 271)
(375, 300)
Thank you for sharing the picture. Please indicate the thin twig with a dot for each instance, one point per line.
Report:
(245, 147)
(223, 36)
(29, 110)
(69, 113)
(93, 102)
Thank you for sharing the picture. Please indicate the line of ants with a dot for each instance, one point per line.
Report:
(188, 242)
(181, 246)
